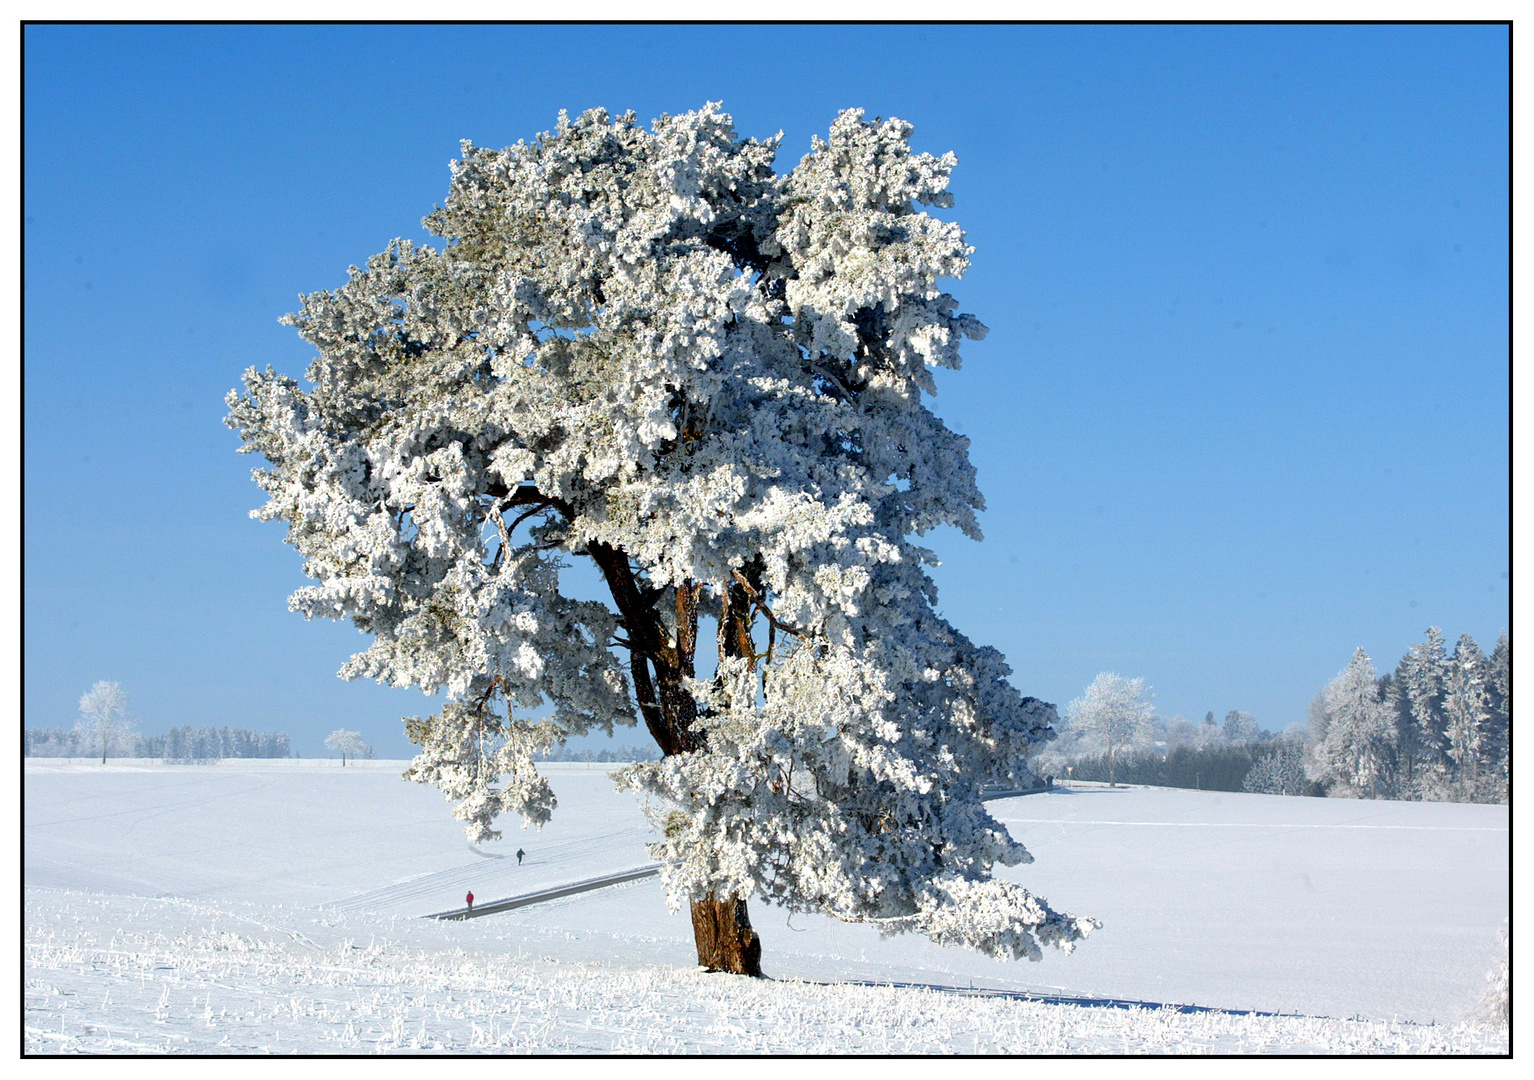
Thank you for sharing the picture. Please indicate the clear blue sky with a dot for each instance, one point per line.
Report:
(1243, 408)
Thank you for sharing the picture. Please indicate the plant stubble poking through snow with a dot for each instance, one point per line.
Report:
(650, 350)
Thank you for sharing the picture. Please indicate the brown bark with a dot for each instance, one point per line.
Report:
(721, 928)
(667, 708)
(735, 625)
(725, 940)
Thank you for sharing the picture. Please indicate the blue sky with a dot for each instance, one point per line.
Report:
(1243, 407)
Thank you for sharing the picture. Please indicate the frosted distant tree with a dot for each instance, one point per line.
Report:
(1180, 731)
(1208, 733)
(1114, 716)
(1403, 744)
(1351, 733)
(1422, 745)
(104, 717)
(1466, 717)
(1239, 727)
(648, 350)
(347, 743)
(1281, 771)
(1499, 703)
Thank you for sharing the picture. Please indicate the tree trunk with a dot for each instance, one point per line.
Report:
(721, 928)
(725, 940)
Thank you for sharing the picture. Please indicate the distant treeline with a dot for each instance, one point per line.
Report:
(1278, 763)
(1438, 728)
(617, 753)
(179, 744)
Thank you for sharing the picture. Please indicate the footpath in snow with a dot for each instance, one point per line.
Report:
(265, 906)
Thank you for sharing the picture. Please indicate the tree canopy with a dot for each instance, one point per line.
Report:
(1113, 715)
(650, 350)
(104, 716)
(347, 744)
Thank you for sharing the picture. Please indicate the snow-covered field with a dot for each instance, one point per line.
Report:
(273, 906)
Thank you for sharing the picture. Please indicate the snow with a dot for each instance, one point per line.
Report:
(307, 833)
(271, 905)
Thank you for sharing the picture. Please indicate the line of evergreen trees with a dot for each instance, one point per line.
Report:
(1438, 728)
(184, 743)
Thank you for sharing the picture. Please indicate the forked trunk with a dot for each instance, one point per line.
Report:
(721, 928)
(725, 940)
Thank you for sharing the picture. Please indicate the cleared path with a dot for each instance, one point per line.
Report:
(543, 895)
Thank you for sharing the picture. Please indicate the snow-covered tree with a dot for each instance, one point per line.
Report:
(1499, 703)
(1466, 718)
(1239, 727)
(1351, 733)
(649, 350)
(1403, 741)
(1208, 733)
(1113, 715)
(1421, 744)
(104, 717)
(1180, 731)
(1280, 771)
(347, 744)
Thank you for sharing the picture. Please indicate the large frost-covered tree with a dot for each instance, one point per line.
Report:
(649, 350)
(104, 717)
(1113, 715)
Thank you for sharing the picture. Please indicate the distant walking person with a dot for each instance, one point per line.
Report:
(470, 901)
(520, 853)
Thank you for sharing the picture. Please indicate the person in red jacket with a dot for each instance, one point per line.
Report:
(470, 901)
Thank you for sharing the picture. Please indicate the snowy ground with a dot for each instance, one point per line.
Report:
(255, 906)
